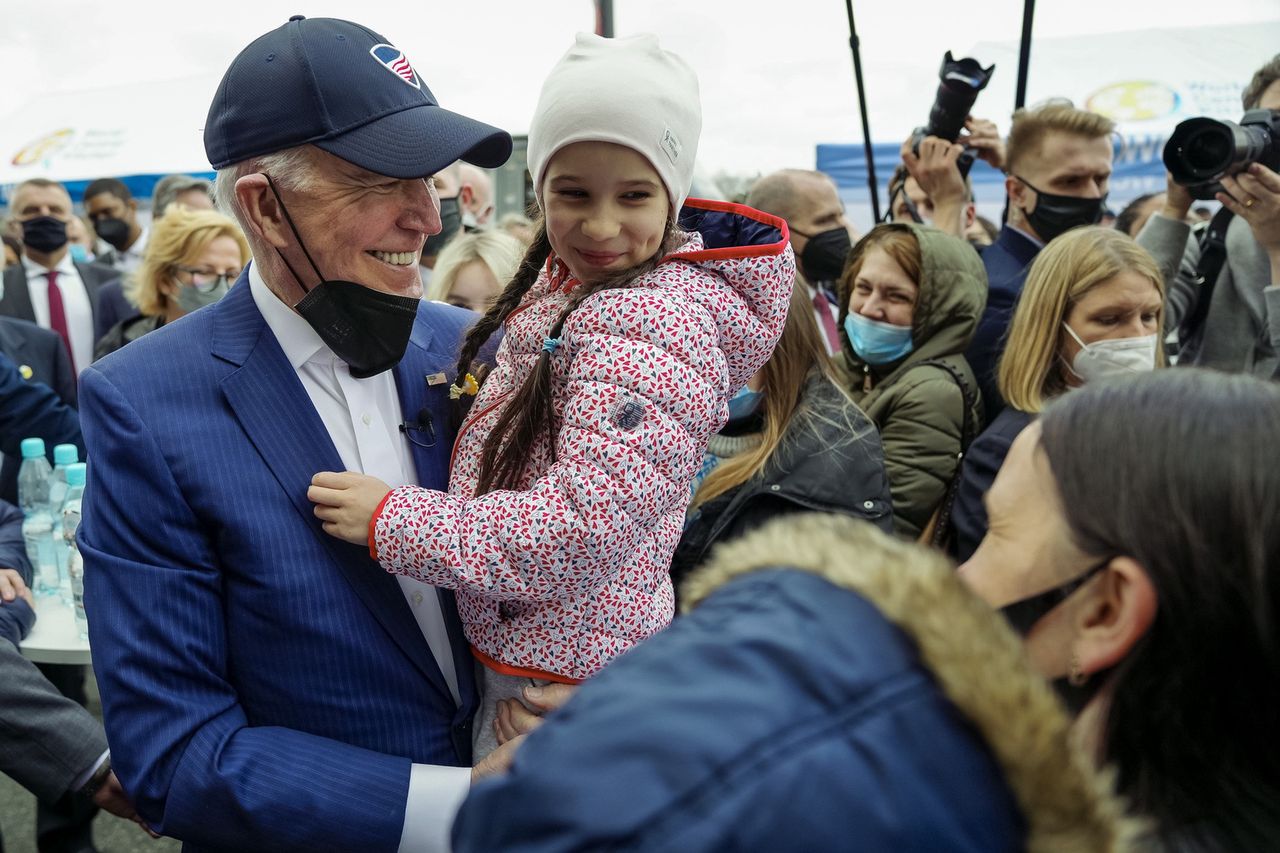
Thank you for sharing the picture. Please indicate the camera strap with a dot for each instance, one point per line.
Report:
(1213, 254)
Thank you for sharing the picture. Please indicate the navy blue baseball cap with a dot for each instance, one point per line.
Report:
(346, 90)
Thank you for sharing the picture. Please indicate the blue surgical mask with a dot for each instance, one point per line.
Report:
(876, 342)
(744, 404)
(79, 254)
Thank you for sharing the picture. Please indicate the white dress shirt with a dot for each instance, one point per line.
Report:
(362, 417)
(128, 260)
(75, 305)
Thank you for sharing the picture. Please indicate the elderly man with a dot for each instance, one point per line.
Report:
(185, 190)
(476, 196)
(266, 686)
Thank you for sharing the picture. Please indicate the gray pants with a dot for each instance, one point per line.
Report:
(494, 687)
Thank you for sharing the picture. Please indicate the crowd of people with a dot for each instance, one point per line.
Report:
(392, 501)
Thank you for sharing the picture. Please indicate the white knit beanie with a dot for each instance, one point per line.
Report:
(627, 91)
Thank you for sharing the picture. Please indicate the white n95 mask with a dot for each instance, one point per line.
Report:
(1116, 357)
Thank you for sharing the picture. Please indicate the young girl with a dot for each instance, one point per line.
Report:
(625, 336)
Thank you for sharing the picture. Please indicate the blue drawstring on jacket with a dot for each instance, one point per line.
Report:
(550, 345)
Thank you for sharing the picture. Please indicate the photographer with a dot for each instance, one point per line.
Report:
(929, 188)
(1240, 330)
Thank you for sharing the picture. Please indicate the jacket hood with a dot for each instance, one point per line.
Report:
(953, 294)
(976, 659)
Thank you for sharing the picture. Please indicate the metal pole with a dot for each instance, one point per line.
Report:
(604, 18)
(1024, 54)
(862, 108)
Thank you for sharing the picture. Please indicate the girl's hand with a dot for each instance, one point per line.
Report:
(345, 503)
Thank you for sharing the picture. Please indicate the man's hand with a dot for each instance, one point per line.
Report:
(497, 762)
(516, 719)
(345, 503)
(1254, 196)
(985, 139)
(1177, 200)
(12, 587)
(112, 798)
(935, 169)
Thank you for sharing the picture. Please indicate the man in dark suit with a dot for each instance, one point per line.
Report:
(1058, 165)
(50, 745)
(48, 287)
(40, 356)
(265, 685)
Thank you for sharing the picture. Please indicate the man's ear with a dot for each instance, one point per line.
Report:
(1118, 612)
(970, 215)
(262, 213)
(133, 208)
(466, 195)
(1019, 195)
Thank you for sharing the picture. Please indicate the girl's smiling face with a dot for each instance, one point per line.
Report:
(606, 208)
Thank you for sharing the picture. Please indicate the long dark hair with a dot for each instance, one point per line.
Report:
(530, 411)
(1177, 470)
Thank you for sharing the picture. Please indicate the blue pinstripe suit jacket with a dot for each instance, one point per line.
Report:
(264, 685)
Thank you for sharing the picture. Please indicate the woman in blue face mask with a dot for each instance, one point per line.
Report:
(795, 441)
(1092, 309)
(192, 259)
(911, 299)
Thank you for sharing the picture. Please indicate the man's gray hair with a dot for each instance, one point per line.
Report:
(170, 187)
(292, 169)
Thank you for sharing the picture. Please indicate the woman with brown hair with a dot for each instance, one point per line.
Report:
(911, 297)
(191, 259)
(1092, 308)
(795, 441)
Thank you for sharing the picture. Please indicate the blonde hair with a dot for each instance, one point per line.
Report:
(1030, 372)
(799, 351)
(496, 249)
(177, 239)
(1030, 126)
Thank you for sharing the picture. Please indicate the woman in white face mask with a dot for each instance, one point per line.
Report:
(1092, 308)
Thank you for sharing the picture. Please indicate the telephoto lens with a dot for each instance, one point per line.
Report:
(1202, 151)
(959, 82)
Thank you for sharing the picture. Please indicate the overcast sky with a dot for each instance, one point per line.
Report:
(776, 77)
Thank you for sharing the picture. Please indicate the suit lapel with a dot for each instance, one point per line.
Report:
(16, 299)
(271, 405)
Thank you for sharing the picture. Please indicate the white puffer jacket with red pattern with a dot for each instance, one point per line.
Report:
(571, 570)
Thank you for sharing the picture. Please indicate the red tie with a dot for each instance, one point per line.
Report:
(822, 307)
(58, 316)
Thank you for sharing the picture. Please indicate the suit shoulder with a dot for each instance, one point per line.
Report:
(174, 346)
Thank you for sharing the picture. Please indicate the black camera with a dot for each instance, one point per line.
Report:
(959, 82)
(1202, 151)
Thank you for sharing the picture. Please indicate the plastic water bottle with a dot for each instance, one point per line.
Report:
(70, 523)
(37, 522)
(63, 455)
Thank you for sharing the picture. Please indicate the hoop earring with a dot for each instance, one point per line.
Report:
(1076, 675)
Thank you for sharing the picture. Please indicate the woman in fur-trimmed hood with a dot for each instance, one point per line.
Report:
(832, 689)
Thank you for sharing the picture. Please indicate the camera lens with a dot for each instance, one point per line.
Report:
(1209, 152)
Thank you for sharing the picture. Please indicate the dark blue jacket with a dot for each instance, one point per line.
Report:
(30, 408)
(784, 713)
(16, 617)
(977, 473)
(1006, 261)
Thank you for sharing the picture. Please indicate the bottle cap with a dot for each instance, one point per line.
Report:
(65, 454)
(75, 474)
(32, 447)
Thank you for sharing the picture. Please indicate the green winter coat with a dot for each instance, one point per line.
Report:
(920, 409)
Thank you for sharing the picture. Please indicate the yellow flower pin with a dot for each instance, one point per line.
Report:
(26, 372)
(469, 387)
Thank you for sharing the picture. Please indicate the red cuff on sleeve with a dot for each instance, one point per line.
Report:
(373, 525)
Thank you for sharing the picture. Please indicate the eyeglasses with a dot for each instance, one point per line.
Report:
(205, 281)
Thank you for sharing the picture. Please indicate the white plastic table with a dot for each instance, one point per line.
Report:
(55, 638)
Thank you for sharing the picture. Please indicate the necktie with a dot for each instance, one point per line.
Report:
(58, 316)
(822, 307)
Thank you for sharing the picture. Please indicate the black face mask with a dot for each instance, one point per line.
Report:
(824, 255)
(1023, 616)
(1058, 214)
(366, 328)
(114, 231)
(44, 233)
(450, 223)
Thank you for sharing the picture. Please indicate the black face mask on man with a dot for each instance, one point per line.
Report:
(44, 233)
(824, 255)
(114, 231)
(1058, 214)
(450, 224)
(1023, 615)
(366, 328)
